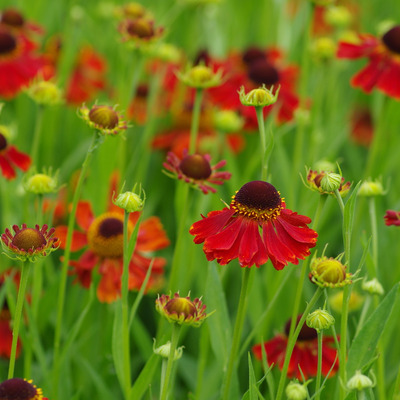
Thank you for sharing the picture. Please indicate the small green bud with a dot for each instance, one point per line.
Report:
(296, 391)
(44, 92)
(320, 320)
(331, 182)
(165, 350)
(260, 97)
(201, 77)
(373, 287)
(130, 201)
(324, 165)
(371, 188)
(41, 183)
(323, 48)
(227, 121)
(359, 382)
(338, 16)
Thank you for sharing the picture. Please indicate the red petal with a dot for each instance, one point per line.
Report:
(151, 235)
(21, 160)
(79, 239)
(6, 168)
(389, 81)
(368, 77)
(109, 287)
(84, 215)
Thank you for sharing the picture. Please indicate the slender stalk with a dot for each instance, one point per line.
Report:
(17, 317)
(226, 385)
(265, 148)
(292, 342)
(174, 344)
(374, 230)
(194, 129)
(319, 368)
(37, 134)
(67, 252)
(124, 305)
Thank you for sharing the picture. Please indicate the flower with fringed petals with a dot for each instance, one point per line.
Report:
(196, 170)
(29, 243)
(10, 157)
(103, 237)
(305, 353)
(383, 68)
(182, 310)
(392, 218)
(20, 389)
(234, 232)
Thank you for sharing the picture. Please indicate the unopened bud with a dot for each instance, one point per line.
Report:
(373, 287)
(165, 350)
(359, 382)
(130, 201)
(331, 182)
(260, 97)
(296, 391)
(320, 320)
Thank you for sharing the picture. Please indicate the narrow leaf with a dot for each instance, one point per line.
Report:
(146, 377)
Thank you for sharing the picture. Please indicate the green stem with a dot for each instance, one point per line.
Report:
(374, 231)
(194, 129)
(36, 134)
(67, 253)
(292, 342)
(265, 149)
(237, 333)
(17, 317)
(319, 370)
(124, 305)
(174, 344)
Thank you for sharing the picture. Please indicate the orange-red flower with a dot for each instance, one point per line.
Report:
(103, 237)
(392, 218)
(18, 62)
(10, 158)
(304, 355)
(383, 68)
(234, 232)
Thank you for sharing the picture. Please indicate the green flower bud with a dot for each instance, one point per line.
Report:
(201, 77)
(165, 350)
(260, 97)
(227, 121)
(320, 320)
(371, 188)
(130, 201)
(373, 287)
(331, 182)
(338, 16)
(296, 391)
(44, 92)
(41, 183)
(359, 382)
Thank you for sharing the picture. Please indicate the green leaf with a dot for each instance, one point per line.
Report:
(253, 393)
(117, 350)
(146, 377)
(364, 344)
(348, 216)
(219, 324)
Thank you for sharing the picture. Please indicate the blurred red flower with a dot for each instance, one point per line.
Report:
(392, 218)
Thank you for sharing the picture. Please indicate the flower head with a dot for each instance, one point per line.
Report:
(20, 389)
(29, 243)
(182, 310)
(131, 201)
(331, 181)
(383, 68)
(320, 320)
(41, 183)
(371, 188)
(201, 77)
(196, 170)
(104, 119)
(304, 355)
(102, 236)
(44, 92)
(234, 232)
(329, 272)
(10, 157)
(139, 31)
(260, 97)
(392, 218)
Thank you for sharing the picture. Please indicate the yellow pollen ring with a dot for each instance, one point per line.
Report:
(111, 246)
(258, 214)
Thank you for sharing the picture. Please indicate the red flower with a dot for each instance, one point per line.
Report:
(392, 218)
(88, 77)
(195, 169)
(10, 158)
(103, 235)
(383, 68)
(362, 127)
(18, 63)
(234, 232)
(304, 355)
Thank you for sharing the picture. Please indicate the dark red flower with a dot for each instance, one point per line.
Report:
(10, 158)
(392, 218)
(18, 62)
(304, 355)
(234, 232)
(362, 127)
(383, 68)
(20, 389)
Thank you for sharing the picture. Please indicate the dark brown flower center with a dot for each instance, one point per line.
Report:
(111, 227)
(181, 305)
(262, 72)
(142, 90)
(104, 116)
(3, 142)
(306, 333)
(391, 39)
(195, 166)
(28, 238)
(8, 43)
(12, 17)
(258, 195)
(253, 54)
(17, 389)
(141, 27)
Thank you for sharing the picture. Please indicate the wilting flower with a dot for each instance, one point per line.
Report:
(103, 235)
(20, 389)
(314, 180)
(10, 157)
(182, 310)
(234, 232)
(392, 218)
(383, 68)
(195, 169)
(104, 119)
(18, 62)
(29, 243)
(304, 355)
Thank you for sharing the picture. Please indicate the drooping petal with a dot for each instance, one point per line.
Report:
(79, 239)
(21, 160)
(151, 235)
(389, 80)
(368, 77)
(6, 168)
(84, 215)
